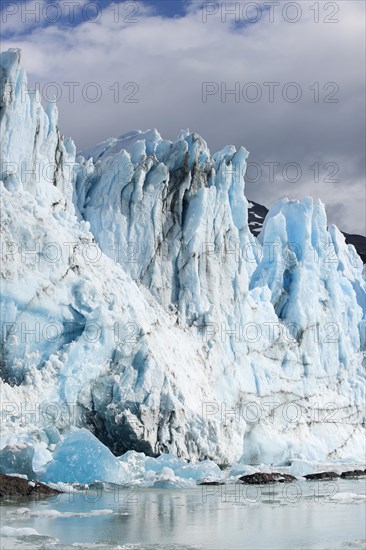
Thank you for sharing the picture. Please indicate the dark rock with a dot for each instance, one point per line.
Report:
(19, 487)
(353, 473)
(322, 475)
(260, 478)
(283, 478)
(359, 242)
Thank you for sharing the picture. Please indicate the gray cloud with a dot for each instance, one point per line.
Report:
(168, 60)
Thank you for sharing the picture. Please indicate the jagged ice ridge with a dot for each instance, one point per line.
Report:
(169, 317)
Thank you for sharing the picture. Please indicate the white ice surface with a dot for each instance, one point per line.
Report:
(136, 303)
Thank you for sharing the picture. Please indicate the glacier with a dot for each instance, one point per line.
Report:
(137, 305)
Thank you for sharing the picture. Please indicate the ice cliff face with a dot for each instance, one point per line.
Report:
(136, 302)
(34, 157)
(179, 215)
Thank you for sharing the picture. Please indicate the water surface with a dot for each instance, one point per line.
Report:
(304, 515)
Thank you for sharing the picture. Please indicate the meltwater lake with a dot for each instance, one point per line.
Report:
(304, 515)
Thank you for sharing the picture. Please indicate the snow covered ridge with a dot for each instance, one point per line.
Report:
(137, 304)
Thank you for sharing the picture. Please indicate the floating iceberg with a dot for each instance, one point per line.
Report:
(80, 457)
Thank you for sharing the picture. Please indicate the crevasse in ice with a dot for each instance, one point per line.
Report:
(136, 303)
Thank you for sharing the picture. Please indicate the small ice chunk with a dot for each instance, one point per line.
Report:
(201, 470)
(41, 456)
(7, 531)
(23, 476)
(165, 460)
(135, 464)
(301, 468)
(238, 469)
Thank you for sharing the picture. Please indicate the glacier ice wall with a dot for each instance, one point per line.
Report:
(172, 215)
(136, 303)
(34, 156)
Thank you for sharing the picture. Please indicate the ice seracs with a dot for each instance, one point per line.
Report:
(136, 301)
(173, 216)
(34, 156)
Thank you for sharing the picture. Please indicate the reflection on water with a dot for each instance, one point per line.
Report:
(282, 517)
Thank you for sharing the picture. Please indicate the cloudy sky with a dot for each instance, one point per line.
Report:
(284, 79)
